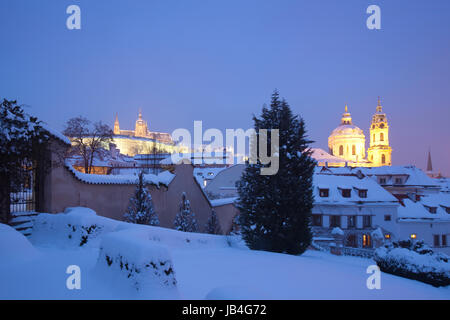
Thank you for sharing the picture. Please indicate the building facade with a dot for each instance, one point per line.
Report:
(348, 142)
(141, 140)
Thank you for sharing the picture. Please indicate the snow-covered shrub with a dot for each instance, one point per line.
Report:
(128, 257)
(14, 246)
(414, 260)
(141, 209)
(185, 218)
(77, 226)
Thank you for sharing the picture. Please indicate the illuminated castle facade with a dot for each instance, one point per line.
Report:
(141, 140)
(348, 142)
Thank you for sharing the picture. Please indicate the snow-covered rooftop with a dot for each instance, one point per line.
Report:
(335, 184)
(163, 178)
(418, 211)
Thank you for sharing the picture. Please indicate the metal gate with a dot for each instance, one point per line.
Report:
(23, 198)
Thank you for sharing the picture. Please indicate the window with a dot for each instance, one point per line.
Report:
(335, 221)
(367, 221)
(362, 193)
(382, 125)
(387, 236)
(432, 209)
(341, 150)
(346, 193)
(367, 243)
(317, 220)
(398, 181)
(436, 242)
(383, 159)
(351, 222)
(382, 136)
(374, 137)
(387, 217)
(382, 180)
(413, 236)
(448, 210)
(354, 150)
(444, 240)
(350, 241)
(324, 193)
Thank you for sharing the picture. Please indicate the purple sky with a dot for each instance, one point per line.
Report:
(219, 61)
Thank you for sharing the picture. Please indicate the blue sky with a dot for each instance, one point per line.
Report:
(219, 61)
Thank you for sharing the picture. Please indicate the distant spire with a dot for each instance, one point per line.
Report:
(346, 109)
(140, 114)
(116, 125)
(429, 163)
(379, 108)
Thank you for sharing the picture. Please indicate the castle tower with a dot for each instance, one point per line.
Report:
(379, 152)
(141, 126)
(116, 125)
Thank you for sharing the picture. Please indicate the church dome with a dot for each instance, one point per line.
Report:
(347, 130)
(347, 141)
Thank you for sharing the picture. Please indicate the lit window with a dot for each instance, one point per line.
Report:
(413, 236)
(366, 241)
(387, 236)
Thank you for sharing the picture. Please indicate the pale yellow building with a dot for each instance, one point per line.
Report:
(348, 142)
(379, 152)
(141, 140)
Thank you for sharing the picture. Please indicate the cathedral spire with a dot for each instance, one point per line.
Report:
(429, 163)
(116, 125)
(140, 114)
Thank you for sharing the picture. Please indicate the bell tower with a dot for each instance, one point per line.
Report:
(379, 152)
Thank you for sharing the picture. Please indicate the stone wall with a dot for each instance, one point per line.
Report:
(63, 189)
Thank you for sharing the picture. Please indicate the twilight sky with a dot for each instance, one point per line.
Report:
(219, 61)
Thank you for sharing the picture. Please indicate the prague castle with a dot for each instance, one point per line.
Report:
(141, 140)
(347, 143)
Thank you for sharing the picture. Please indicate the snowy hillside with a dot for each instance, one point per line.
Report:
(125, 261)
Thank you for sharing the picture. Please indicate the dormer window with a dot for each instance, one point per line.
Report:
(362, 193)
(432, 210)
(447, 210)
(382, 180)
(398, 181)
(324, 193)
(346, 193)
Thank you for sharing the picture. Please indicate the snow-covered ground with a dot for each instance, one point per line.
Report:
(205, 267)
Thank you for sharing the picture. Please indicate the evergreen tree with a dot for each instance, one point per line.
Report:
(276, 209)
(185, 218)
(141, 209)
(213, 226)
(23, 144)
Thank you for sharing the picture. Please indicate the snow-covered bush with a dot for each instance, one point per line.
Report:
(129, 258)
(141, 209)
(185, 218)
(14, 246)
(414, 260)
(77, 226)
